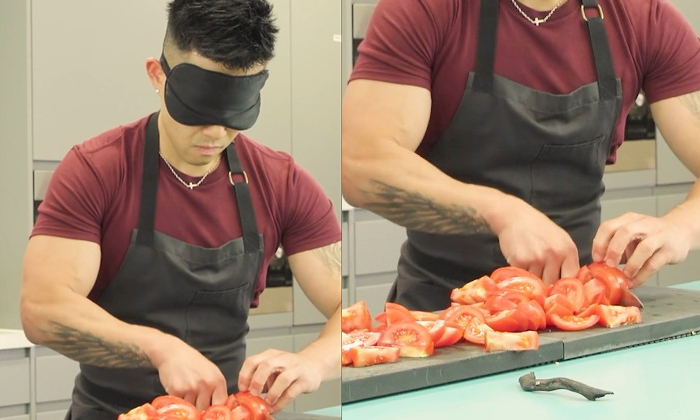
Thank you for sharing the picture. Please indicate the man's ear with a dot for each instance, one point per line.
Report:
(155, 73)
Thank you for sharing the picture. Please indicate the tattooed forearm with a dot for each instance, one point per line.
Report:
(418, 212)
(692, 102)
(330, 256)
(92, 350)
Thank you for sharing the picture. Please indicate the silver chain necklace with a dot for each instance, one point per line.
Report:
(538, 21)
(191, 185)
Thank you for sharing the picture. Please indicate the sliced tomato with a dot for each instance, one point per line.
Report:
(557, 304)
(231, 401)
(356, 317)
(462, 314)
(396, 313)
(435, 328)
(612, 316)
(175, 406)
(535, 315)
(142, 412)
(216, 412)
(256, 405)
(572, 288)
(501, 300)
(595, 292)
(475, 331)
(452, 334)
(588, 311)
(584, 274)
(510, 320)
(424, 316)
(241, 413)
(533, 288)
(519, 341)
(474, 291)
(574, 322)
(509, 272)
(374, 355)
(412, 339)
(615, 280)
(630, 299)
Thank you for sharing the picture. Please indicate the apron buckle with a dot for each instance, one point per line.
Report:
(230, 177)
(600, 12)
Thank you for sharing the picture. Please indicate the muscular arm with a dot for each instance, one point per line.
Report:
(58, 274)
(646, 243)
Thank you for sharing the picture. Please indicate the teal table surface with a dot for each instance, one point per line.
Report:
(652, 381)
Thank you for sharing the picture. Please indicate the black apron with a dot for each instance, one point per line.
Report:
(548, 149)
(201, 295)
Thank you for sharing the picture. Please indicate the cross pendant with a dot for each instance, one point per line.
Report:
(537, 21)
(191, 185)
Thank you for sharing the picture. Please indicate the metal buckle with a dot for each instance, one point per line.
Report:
(600, 11)
(230, 177)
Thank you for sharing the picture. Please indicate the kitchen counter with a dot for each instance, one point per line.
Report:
(13, 339)
(649, 381)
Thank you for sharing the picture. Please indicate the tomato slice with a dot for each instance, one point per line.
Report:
(509, 272)
(504, 299)
(614, 279)
(216, 412)
(373, 355)
(435, 328)
(462, 314)
(519, 341)
(535, 314)
(476, 330)
(510, 320)
(412, 339)
(533, 288)
(572, 288)
(474, 291)
(256, 405)
(452, 334)
(175, 406)
(424, 316)
(241, 413)
(356, 317)
(595, 292)
(142, 412)
(396, 313)
(574, 322)
(612, 316)
(231, 401)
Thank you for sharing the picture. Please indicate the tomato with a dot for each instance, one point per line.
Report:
(510, 320)
(435, 328)
(630, 299)
(356, 317)
(505, 273)
(528, 340)
(533, 288)
(535, 315)
(412, 339)
(475, 331)
(373, 355)
(259, 409)
(473, 292)
(231, 401)
(595, 292)
(574, 322)
(175, 406)
(461, 314)
(613, 278)
(396, 313)
(612, 316)
(557, 304)
(452, 334)
(504, 299)
(424, 316)
(241, 413)
(572, 288)
(216, 412)
(143, 412)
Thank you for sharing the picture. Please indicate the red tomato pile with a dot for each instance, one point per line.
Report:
(502, 311)
(239, 406)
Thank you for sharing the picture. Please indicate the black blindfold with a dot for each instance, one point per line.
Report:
(195, 96)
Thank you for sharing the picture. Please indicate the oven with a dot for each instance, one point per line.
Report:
(277, 297)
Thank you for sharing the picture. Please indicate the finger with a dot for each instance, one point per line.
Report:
(650, 267)
(551, 272)
(190, 397)
(285, 383)
(536, 269)
(203, 399)
(265, 369)
(287, 396)
(620, 242)
(250, 365)
(220, 394)
(642, 257)
(570, 266)
(606, 231)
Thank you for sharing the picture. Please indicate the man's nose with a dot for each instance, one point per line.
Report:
(214, 131)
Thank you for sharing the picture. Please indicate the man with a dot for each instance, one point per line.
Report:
(154, 237)
(484, 128)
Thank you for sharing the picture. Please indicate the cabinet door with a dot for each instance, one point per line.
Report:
(88, 68)
(55, 376)
(14, 377)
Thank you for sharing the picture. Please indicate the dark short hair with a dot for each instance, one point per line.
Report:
(240, 34)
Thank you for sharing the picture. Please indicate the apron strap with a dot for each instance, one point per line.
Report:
(149, 183)
(607, 85)
(251, 237)
(486, 46)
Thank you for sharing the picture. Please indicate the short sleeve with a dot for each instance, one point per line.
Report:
(309, 219)
(402, 40)
(672, 55)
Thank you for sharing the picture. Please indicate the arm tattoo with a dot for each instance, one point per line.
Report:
(418, 212)
(329, 256)
(90, 349)
(692, 102)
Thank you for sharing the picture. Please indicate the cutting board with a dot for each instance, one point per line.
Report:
(667, 313)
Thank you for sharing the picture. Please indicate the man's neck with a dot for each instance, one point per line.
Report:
(541, 5)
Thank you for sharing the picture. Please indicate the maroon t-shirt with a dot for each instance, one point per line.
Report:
(94, 195)
(432, 44)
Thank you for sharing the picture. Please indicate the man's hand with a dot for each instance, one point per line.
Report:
(530, 240)
(281, 374)
(643, 243)
(186, 373)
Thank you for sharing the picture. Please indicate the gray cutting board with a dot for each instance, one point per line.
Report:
(667, 313)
